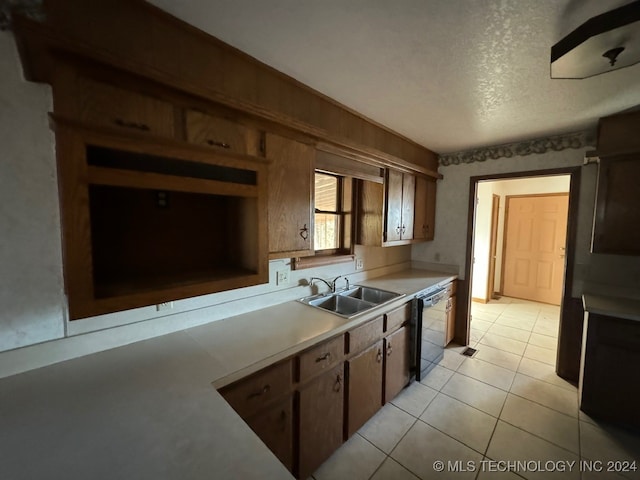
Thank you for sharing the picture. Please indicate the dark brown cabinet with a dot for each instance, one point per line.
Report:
(364, 393)
(396, 369)
(617, 216)
(265, 401)
(274, 426)
(399, 205)
(425, 209)
(609, 382)
(321, 410)
(290, 206)
(304, 407)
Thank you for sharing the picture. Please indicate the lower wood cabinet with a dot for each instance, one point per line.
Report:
(609, 378)
(364, 387)
(274, 426)
(396, 369)
(304, 407)
(321, 410)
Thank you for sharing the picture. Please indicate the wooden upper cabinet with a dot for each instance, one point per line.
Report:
(425, 209)
(399, 206)
(291, 182)
(393, 207)
(222, 134)
(617, 216)
(100, 103)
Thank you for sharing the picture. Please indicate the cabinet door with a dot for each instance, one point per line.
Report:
(291, 171)
(393, 206)
(408, 204)
(396, 370)
(221, 134)
(364, 390)
(99, 103)
(274, 426)
(425, 209)
(450, 328)
(617, 216)
(321, 420)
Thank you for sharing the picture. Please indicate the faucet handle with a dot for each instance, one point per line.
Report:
(338, 278)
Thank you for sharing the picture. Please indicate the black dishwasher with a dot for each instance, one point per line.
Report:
(427, 332)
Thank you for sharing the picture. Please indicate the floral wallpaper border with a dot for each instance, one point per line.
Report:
(528, 147)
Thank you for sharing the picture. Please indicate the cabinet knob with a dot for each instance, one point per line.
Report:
(389, 349)
(398, 229)
(403, 229)
(379, 356)
(304, 232)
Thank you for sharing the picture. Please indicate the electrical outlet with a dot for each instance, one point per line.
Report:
(359, 264)
(164, 306)
(282, 277)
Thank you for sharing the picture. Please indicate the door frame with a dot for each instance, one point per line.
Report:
(493, 246)
(464, 320)
(506, 224)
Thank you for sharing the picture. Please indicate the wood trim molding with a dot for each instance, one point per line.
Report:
(528, 147)
(320, 261)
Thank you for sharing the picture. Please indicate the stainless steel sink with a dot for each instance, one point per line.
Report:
(351, 302)
(369, 294)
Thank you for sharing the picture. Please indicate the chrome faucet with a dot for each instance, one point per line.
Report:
(332, 284)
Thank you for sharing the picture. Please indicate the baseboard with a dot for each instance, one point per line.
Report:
(479, 300)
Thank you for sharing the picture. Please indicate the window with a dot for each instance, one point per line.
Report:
(333, 202)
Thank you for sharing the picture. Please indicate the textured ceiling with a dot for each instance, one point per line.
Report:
(449, 74)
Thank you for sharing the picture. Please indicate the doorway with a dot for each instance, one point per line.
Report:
(486, 263)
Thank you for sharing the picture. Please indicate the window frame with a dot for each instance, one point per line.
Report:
(343, 253)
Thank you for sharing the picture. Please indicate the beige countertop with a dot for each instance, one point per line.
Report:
(620, 307)
(149, 410)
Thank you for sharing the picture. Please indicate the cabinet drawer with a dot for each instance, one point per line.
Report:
(320, 358)
(222, 134)
(247, 396)
(397, 317)
(365, 335)
(104, 104)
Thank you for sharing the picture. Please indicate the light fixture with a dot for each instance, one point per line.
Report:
(603, 43)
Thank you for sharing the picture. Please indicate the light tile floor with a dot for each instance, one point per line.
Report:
(504, 404)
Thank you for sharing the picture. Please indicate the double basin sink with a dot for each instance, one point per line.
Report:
(352, 301)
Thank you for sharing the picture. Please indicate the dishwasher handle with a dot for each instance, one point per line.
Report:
(434, 298)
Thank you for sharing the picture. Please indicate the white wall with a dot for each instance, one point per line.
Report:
(449, 245)
(34, 330)
(31, 292)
